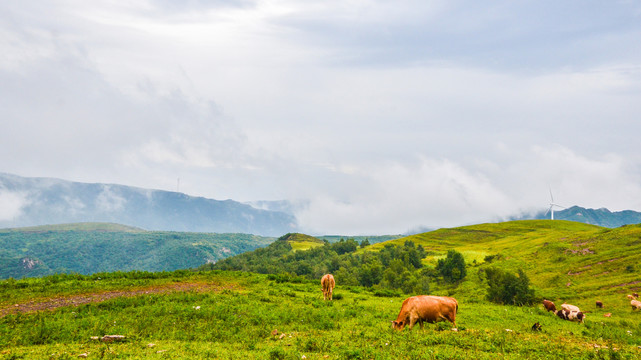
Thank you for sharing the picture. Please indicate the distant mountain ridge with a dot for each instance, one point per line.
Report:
(601, 217)
(39, 201)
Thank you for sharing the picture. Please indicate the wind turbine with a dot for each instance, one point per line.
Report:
(552, 205)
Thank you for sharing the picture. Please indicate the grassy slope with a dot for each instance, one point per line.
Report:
(564, 260)
(238, 320)
(238, 323)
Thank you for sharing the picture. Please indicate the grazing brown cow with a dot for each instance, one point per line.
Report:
(599, 304)
(426, 308)
(635, 295)
(631, 297)
(549, 306)
(328, 283)
(636, 304)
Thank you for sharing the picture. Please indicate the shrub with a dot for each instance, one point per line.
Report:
(507, 288)
(452, 268)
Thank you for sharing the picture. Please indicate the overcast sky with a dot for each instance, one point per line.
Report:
(384, 115)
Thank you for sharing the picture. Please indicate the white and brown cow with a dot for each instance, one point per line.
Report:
(426, 308)
(570, 308)
(328, 283)
(636, 304)
(570, 312)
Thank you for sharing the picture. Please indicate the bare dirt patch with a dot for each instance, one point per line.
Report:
(80, 299)
(627, 284)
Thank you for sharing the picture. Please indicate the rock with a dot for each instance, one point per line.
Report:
(109, 338)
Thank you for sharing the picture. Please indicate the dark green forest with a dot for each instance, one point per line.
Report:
(45, 251)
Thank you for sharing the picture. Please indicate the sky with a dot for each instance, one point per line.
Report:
(374, 116)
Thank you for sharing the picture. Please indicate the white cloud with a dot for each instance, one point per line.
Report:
(110, 201)
(387, 116)
(11, 204)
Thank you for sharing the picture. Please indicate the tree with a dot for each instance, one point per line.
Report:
(452, 268)
(370, 273)
(507, 288)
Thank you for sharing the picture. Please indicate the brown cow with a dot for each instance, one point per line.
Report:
(549, 306)
(631, 297)
(328, 283)
(426, 308)
(599, 304)
(636, 304)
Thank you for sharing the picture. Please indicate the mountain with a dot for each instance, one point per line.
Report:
(601, 217)
(89, 248)
(39, 201)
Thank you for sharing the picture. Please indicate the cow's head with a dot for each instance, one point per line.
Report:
(398, 325)
(580, 316)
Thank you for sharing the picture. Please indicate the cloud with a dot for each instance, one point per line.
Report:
(109, 201)
(394, 198)
(11, 204)
(386, 116)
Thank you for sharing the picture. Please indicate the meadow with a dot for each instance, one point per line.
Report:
(237, 315)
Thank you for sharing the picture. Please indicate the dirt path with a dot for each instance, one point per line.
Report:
(80, 299)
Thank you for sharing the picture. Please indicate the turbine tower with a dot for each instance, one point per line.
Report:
(552, 205)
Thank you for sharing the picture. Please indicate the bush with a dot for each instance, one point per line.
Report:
(452, 268)
(507, 288)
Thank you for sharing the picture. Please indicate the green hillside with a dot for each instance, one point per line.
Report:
(281, 315)
(88, 248)
(562, 259)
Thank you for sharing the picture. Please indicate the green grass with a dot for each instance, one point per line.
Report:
(238, 323)
(236, 319)
(304, 245)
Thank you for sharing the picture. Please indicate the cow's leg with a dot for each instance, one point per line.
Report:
(450, 318)
(413, 320)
